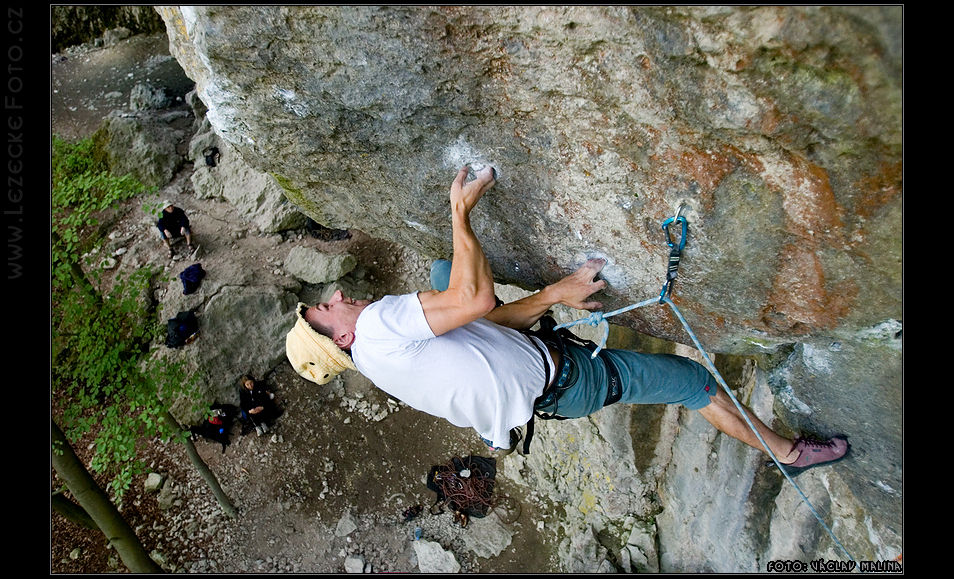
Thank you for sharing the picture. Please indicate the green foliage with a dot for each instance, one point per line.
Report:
(104, 380)
(153, 208)
(81, 186)
(105, 383)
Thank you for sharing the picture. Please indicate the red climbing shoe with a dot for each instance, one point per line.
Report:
(817, 452)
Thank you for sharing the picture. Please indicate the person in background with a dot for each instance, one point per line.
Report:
(174, 223)
(257, 404)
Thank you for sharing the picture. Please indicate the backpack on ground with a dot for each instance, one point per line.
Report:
(211, 155)
(218, 426)
(182, 329)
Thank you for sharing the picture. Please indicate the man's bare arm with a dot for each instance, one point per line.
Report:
(571, 291)
(470, 293)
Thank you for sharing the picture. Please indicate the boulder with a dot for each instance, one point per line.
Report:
(153, 482)
(144, 96)
(241, 330)
(315, 267)
(221, 173)
(354, 564)
(346, 526)
(114, 36)
(432, 558)
(487, 537)
(144, 143)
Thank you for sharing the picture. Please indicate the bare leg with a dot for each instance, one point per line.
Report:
(723, 414)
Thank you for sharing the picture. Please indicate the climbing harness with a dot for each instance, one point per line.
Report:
(599, 318)
(550, 398)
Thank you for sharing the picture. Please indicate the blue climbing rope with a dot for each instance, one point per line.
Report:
(597, 318)
(672, 269)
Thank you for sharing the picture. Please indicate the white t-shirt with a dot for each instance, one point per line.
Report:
(481, 375)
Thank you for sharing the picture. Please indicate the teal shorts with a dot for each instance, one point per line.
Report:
(646, 379)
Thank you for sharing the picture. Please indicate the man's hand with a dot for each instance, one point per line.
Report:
(570, 291)
(573, 290)
(464, 196)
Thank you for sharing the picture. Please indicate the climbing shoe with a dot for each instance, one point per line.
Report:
(817, 452)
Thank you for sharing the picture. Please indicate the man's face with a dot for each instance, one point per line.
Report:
(338, 314)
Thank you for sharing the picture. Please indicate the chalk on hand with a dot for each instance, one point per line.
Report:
(474, 168)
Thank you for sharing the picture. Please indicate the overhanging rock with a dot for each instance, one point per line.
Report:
(779, 128)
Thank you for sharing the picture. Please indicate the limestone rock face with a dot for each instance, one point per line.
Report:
(778, 128)
(221, 173)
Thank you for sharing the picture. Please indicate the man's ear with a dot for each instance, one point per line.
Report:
(344, 340)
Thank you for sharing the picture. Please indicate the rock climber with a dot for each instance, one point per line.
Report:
(452, 352)
(174, 223)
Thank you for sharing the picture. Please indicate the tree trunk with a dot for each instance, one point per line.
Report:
(204, 471)
(72, 511)
(95, 502)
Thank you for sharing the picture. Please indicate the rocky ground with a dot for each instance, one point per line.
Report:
(330, 488)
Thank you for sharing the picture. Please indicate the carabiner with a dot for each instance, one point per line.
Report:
(685, 229)
(675, 252)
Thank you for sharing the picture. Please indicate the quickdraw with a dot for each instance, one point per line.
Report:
(675, 254)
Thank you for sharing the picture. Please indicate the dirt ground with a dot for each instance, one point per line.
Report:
(330, 459)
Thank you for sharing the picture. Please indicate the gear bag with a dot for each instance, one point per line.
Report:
(182, 329)
(211, 155)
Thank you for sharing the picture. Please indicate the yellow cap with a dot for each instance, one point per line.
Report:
(313, 355)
